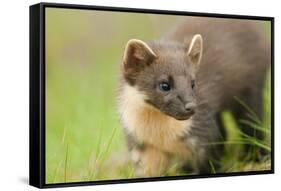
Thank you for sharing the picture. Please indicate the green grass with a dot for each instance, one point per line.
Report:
(236, 140)
(84, 140)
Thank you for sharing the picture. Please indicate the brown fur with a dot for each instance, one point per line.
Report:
(158, 126)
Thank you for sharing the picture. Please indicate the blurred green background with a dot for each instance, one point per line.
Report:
(84, 140)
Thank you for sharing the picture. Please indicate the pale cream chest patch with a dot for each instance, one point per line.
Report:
(149, 125)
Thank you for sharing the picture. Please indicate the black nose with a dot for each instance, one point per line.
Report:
(189, 107)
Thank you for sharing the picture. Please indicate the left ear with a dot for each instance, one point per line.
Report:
(195, 50)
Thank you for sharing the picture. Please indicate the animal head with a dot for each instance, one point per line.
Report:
(165, 72)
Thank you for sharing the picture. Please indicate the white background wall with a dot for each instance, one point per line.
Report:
(14, 57)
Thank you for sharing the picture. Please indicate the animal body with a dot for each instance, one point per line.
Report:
(172, 90)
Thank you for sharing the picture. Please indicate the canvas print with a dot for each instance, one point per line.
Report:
(132, 95)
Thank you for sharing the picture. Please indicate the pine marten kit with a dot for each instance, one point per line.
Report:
(173, 90)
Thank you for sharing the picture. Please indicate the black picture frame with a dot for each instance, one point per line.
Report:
(37, 94)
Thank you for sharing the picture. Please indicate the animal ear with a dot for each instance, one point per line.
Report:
(195, 50)
(137, 54)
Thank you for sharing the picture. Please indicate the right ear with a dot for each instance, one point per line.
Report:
(195, 50)
(137, 54)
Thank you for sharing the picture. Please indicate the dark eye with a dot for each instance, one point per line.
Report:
(192, 84)
(164, 86)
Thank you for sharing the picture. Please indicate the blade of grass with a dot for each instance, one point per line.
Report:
(102, 155)
(110, 141)
(66, 163)
(131, 172)
(252, 114)
(254, 141)
(212, 167)
(93, 171)
(268, 148)
(225, 142)
(56, 171)
(254, 126)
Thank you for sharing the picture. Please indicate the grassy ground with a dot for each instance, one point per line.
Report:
(84, 140)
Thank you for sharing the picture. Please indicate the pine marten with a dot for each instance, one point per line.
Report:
(172, 90)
